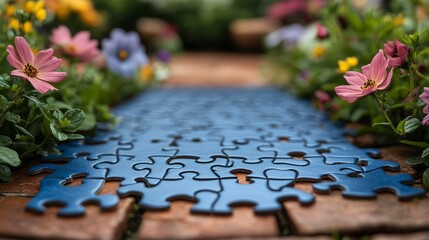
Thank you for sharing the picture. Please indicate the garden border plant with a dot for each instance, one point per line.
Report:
(316, 63)
(69, 103)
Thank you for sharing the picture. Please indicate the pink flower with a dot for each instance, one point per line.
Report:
(372, 78)
(322, 98)
(322, 32)
(425, 98)
(39, 70)
(425, 95)
(80, 46)
(396, 52)
(285, 8)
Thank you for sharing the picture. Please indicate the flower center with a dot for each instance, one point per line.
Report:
(69, 48)
(369, 83)
(123, 54)
(30, 70)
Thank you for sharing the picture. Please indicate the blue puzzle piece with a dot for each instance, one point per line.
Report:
(317, 168)
(366, 185)
(367, 165)
(158, 197)
(292, 149)
(54, 192)
(254, 170)
(76, 167)
(204, 150)
(78, 148)
(347, 149)
(121, 167)
(239, 136)
(256, 193)
(203, 170)
(250, 152)
(158, 168)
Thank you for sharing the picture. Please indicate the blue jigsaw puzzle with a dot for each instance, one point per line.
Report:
(190, 144)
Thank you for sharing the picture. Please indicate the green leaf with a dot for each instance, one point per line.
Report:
(415, 160)
(12, 117)
(9, 156)
(89, 123)
(76, 117)
(416, 144)
(381, 123)
(74, 136)
(425, 153)
(25, 131)
(5, 140)
(58, 114)
(400, 127)
(426, 178)
(43, 108)
(411, 125)
(57, 134)
(5, 174)
(4, 103)
(4, 78)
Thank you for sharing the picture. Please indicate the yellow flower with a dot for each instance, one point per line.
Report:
(13, 24)
(80, 6)
(27, 27)
(39, 6)
(91, 18)
(41, 15)
(352, 61)
(399, 20)
(146, 73)
(318, 51)
(10, 10)
(29, 6)
(343, 66)
(59, 7)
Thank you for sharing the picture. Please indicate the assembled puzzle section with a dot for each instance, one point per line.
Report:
(190, 144)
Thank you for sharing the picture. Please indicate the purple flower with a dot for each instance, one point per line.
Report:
(290, 35)
(163, 56)
(396, 52)
(425, 98)
(124, 53)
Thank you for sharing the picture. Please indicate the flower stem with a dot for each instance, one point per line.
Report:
(411, 86)
(386, 116)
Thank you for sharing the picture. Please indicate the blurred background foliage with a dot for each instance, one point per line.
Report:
(200, 24)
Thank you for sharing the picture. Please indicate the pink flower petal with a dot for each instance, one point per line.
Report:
(425, 95)
(378, 67)
(24, 50)
(42, 57)
(355, 78)
(389, 48)
(349, 93)
(81, 37)
(60, 35)
(425, 120)
(50, 65)
(41, 86)
(395, 62)
(51, 76)
(19, 73)
(366, 71)
(14, 57)
(387, 81)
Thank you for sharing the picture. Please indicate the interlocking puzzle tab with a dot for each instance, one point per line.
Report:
(189, 144)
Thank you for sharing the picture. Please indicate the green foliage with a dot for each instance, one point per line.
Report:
(396, 113)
